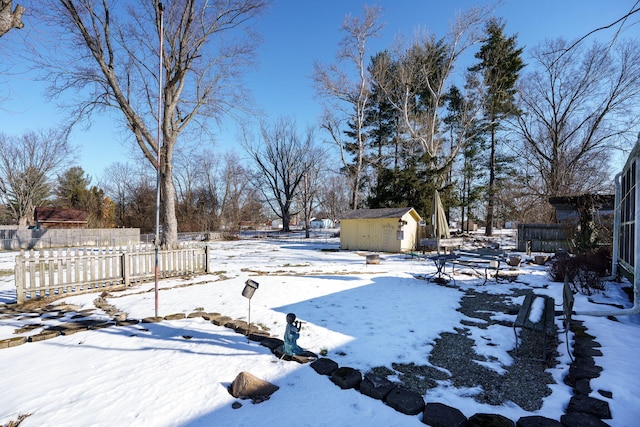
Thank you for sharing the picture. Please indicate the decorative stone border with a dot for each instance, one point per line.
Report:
(582, 409)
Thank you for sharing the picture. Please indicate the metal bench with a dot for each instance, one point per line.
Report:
(567, 311)
(536, 314)
(485, 259)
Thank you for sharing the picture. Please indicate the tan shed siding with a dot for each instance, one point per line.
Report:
(379, 234)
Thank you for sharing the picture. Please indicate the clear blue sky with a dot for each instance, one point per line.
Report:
(296, 33)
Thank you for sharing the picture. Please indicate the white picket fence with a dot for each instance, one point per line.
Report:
(72, 271)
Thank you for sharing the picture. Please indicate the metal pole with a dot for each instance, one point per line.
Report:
(157, 237)
(249, 326)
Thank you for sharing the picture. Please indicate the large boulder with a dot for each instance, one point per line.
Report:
(248, 386)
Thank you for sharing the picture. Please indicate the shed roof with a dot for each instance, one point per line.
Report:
(570, 203)
(376, 213)
(60, 215)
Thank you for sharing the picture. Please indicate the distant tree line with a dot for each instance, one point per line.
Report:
(496, 140)
(496, 137)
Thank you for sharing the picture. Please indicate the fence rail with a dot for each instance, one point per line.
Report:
(81, 270)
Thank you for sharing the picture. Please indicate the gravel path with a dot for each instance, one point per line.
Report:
(525, 382)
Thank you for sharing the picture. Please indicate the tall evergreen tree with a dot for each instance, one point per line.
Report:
(72, 188)
(468, 189)
(500, 65)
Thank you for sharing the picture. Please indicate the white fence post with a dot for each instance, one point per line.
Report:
(125, 268)
(76, 271)
(20, 277)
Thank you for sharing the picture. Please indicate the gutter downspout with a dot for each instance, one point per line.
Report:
(616, 230)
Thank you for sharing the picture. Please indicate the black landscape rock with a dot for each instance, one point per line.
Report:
(271, 343)
(537, 421)
(324, 366)
(589, 405)
(441, 415)
(581, 419)
(404, 400)
(375, 386)
(490, 420)
(346, 377)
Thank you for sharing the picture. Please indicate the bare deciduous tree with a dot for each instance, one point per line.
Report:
(27, 166)
(111, 56)
(424, 70)
(346, 96)
(283, 158)
(118, 181)
(577, 108)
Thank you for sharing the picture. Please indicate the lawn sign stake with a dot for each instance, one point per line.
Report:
(250, 287)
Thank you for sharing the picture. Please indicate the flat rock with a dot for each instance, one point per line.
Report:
(12, 342)
(197, 314)
(175, 316)
(44, 335)
(220, 321)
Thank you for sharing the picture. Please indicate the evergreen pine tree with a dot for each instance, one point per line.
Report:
(500, 65)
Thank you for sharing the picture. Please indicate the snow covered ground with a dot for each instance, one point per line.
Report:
(176, 373)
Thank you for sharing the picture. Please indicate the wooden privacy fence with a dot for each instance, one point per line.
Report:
(542, 238)
(81, 270)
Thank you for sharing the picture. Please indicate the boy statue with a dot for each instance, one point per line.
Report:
(291, 335)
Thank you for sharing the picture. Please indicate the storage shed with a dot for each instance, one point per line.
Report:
(380, 230)
(60, 218)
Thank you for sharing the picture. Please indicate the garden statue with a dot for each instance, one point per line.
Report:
(291, 334)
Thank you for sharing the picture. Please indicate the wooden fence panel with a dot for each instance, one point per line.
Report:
(76, 271)
(547, 238)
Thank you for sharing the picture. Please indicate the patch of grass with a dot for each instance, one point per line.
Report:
(199, 309)
(17, 422)
(264, 327)
(6, 272)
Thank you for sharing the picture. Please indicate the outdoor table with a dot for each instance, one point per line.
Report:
(440, 261)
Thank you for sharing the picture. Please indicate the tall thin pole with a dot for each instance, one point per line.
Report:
(157, 236)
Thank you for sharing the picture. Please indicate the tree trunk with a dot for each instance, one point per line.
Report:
(168, 213)
(286, 220)
(168, 218)
(10, 19)
(491, 190)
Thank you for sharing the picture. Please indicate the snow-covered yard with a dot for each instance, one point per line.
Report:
(176, 372)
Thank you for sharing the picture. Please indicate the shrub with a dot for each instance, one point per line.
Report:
(584, 272)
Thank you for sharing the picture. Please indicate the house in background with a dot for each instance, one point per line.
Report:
(60, 218)
(380, 230)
